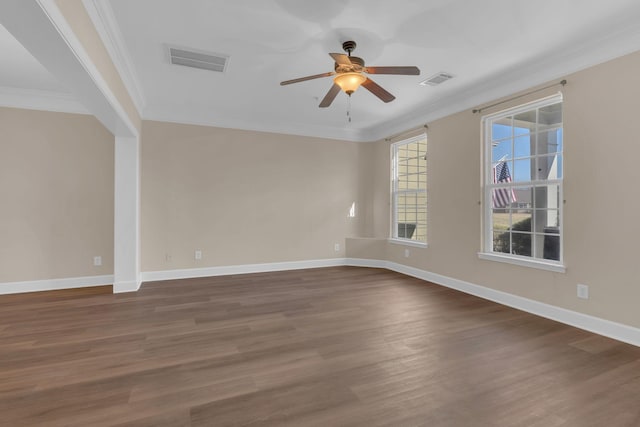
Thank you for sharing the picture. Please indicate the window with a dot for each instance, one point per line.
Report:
(409, 190)
(523, 171)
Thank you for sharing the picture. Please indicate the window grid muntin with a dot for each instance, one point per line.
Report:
(535, 155)
(409, 180)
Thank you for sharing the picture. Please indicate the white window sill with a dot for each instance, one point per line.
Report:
(407, 242)
(524, 262)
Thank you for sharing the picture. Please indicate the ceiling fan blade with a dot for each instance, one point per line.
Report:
(330, 96)
(341, 58)
(377, 90)
(407, 71)
(302, 79)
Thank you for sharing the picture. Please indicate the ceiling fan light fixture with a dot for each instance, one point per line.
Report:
(350, 73)
(349, 82)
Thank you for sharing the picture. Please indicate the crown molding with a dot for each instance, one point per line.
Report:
(105, 23)
(206, 118)
(575, 56)
(103, 18)
(556, 65)
(44, 100)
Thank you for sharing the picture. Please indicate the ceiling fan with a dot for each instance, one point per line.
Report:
(350, 75)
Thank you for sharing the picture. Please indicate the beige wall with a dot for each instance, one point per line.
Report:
(244, 197)
(56, 187)
(602, 230)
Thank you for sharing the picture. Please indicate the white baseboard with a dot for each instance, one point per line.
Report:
(130, 286)
(362, 262)
(607, 328)
(189, 273)
(54, 284)
(593, 324)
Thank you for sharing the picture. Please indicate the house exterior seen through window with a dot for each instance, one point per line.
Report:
(523, 170)
(409, 190)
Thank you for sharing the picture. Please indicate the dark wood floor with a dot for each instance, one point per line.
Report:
(326, 347)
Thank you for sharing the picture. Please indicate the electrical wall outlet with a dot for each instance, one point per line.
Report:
(198, 254)
(336, 247)
(583, 291)
(168, 257)
(407, 252)
(97, 261)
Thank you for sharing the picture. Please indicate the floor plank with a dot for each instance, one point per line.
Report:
(321, 347)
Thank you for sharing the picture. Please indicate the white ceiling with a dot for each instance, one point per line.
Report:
(20, 70)
(493, 47)
(25, 83)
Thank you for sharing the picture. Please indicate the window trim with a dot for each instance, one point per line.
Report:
(407, 242)
(523, 261)
(486, 252)
(393, 232)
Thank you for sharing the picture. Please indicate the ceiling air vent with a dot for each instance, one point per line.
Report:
(198, 59)
(436, 79)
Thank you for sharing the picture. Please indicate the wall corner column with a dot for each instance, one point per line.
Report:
(126, 257)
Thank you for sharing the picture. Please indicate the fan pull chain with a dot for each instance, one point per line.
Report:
(349, 108)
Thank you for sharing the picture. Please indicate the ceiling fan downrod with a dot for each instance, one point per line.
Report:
(349, 46)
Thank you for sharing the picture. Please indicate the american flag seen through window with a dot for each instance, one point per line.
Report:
(502, 197)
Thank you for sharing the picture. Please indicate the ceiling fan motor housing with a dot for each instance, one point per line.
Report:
(357, 65)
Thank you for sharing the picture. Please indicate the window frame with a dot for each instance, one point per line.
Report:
(489, 186)
(394, 238)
